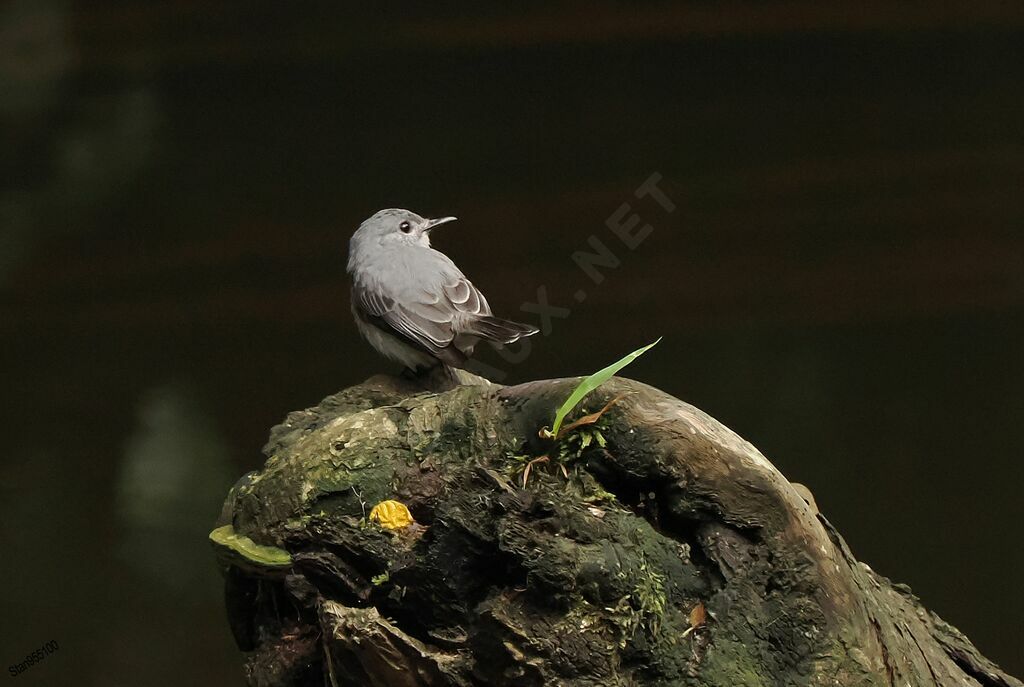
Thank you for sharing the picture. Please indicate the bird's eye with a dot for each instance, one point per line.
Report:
(405, 227)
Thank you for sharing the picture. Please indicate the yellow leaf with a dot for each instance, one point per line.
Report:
(392, 515)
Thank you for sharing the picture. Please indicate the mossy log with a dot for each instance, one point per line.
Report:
(669, 551)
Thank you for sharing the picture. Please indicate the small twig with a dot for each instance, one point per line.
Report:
(362, 504)
(330, 662)
(591, 418)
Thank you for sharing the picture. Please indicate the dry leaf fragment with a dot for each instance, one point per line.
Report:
(698, 617)
(529, 466)
(590, 419)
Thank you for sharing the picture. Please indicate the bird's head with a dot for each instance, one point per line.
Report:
(395, 227)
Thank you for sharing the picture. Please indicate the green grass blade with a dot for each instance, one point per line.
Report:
(592, 382)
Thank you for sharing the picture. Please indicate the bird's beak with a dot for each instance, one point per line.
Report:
(431, 223)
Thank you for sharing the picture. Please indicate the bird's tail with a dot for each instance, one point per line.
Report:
(501, 331)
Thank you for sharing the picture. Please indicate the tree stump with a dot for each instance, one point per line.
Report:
(664, 550)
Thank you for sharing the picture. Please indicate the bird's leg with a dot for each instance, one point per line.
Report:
(437, 378)
(440, 378)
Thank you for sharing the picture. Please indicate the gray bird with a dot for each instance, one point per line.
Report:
(411, 303)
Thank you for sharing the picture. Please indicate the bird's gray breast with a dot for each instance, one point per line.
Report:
(401, 269)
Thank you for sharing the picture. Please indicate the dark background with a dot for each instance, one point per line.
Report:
(842, 281)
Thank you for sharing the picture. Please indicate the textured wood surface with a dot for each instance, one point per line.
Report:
(587, 576)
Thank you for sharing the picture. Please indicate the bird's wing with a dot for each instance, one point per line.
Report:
(430, 315)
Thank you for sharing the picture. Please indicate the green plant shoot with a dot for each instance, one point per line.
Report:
(592, 382)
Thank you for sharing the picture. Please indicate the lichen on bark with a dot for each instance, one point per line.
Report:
(584, 577)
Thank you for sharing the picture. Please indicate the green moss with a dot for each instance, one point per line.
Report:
(644, 607)
(650, 596)
(730, 663)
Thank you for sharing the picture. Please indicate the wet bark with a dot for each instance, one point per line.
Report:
(587, 576)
